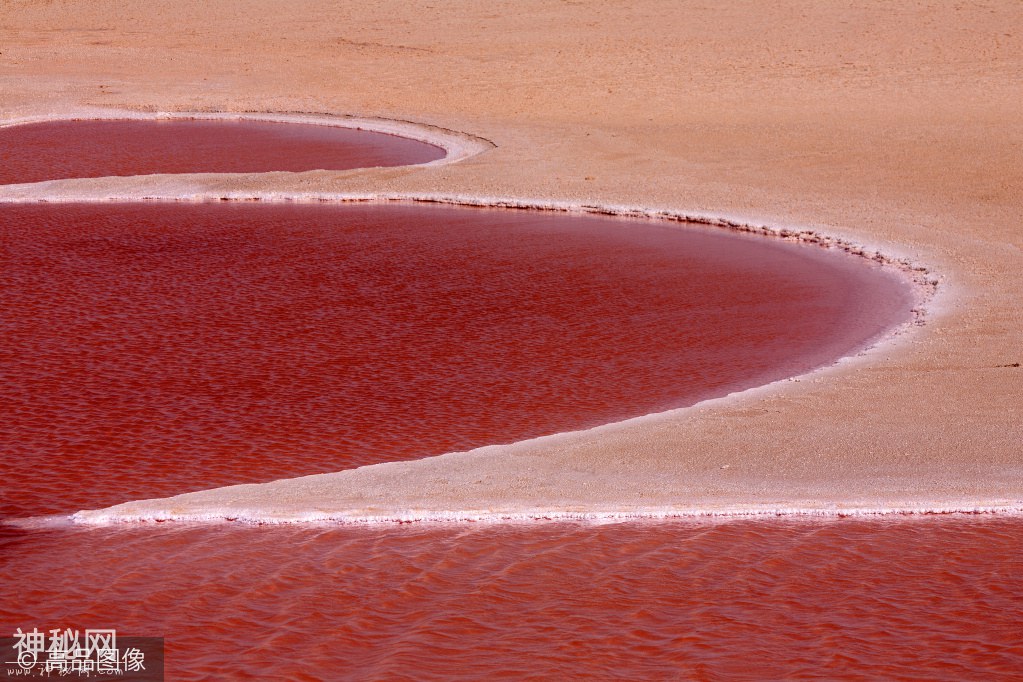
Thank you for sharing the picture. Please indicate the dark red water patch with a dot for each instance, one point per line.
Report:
(922, 599)
(149, 350)
(89, 149)
(152, 349)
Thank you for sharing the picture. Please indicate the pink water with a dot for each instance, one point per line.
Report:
(154, 349)
(88, 149)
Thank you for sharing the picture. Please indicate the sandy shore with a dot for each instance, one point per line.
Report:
(897, 129)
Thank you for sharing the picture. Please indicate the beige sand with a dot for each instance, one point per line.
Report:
(899, 127)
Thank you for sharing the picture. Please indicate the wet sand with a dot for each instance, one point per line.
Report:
(894, 129)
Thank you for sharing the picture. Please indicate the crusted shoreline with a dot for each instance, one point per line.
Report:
(261, 518)
(457, 145)
(189, 189)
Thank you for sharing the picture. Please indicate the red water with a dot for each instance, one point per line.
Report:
(90, 149)
(153, 349)
(913, 599)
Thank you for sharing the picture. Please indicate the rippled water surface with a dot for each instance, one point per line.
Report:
(915, 599)
(154, 349)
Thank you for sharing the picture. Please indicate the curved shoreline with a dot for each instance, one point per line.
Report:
(457, 145)
(67, 191)
(924, 287)
(919, 275)
(810, 526)
(198, 187)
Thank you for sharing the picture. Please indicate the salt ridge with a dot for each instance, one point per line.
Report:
(412, 516)
(460, 146)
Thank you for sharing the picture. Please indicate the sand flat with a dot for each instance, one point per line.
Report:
(895, 128)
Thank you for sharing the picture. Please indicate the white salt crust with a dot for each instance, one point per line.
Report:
(460, 146)
(262, 517)
(457, 146)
